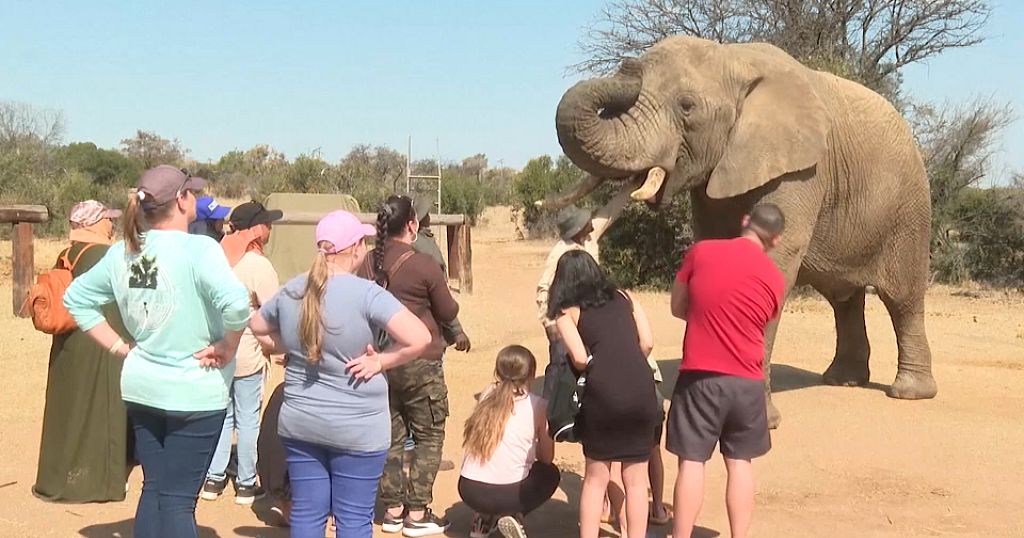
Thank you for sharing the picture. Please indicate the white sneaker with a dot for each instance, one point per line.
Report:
(509, 527)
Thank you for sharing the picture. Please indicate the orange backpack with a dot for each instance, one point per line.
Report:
(46, 298)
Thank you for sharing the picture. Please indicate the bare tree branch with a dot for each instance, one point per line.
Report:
(874, 39)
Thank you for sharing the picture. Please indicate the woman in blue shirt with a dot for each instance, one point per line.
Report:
(185, 311)
(335, 421)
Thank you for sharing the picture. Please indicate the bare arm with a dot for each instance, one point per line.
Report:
(571, 338)
(643, 328)
(545, 444)
(680, 299)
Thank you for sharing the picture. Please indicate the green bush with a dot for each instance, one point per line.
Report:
(643, 248)
(987, 244)
(461, 194)
(542, 177)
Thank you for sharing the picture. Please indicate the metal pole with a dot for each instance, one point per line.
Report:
(438, 142)
(408, 165)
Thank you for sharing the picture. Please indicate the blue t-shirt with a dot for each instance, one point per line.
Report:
(176, 297)
(322, 403)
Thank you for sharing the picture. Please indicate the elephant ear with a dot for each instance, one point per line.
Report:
(781, 127)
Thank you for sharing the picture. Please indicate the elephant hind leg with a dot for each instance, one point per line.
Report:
(849, 367)
(914, 380)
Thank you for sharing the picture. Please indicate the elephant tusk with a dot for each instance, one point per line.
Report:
(655, 178)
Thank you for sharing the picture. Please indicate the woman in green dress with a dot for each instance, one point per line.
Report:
(84, 455)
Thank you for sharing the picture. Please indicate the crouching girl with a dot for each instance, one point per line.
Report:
(507, 470)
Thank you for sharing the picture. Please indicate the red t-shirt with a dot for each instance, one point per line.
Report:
(734, 291)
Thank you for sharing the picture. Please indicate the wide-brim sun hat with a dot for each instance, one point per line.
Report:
(423, 206)
(571, 221)
(90, 212)
(342, 230)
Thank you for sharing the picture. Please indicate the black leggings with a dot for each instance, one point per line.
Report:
(507, 499)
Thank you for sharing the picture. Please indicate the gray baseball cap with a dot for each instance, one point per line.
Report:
(164, 183)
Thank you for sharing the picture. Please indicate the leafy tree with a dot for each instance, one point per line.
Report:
(104, 166)
(151, 149)
(540, 178)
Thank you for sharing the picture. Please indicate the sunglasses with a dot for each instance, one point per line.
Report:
(181, 188)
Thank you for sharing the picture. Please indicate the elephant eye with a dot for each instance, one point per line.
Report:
(687, 104)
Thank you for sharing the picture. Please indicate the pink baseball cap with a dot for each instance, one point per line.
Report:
(342, 229)
(90, 212)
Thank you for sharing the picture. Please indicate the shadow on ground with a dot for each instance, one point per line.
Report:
(124, 529)
(784, 378)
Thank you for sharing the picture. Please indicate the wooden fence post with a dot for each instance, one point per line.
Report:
(466, 267)
(23, 264)
(452, 240)
(22, 252)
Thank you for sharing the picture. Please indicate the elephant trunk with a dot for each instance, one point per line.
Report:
(604, 126)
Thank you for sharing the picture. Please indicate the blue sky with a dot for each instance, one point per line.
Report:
(483, 77)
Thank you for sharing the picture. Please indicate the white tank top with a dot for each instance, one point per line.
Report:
(517, 451)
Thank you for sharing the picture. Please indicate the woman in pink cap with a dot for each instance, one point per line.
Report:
(83, 406)
(335, 422)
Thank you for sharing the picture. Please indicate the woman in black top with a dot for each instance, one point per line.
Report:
(607, 335)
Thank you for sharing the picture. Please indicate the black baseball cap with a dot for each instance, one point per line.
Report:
(250, 214)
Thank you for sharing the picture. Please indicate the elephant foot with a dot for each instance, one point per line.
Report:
(913, 386)
(847, 373)
(774, 417)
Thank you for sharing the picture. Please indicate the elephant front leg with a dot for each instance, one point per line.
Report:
(914, 380)
(849, 367)
(774, 417)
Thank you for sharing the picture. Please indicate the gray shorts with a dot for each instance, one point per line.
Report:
(709, 408)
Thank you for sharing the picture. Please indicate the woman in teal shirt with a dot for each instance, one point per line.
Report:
(185, 311)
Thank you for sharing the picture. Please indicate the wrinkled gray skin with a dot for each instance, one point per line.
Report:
(746, 123)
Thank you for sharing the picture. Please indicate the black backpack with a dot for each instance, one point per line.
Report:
(564, 393)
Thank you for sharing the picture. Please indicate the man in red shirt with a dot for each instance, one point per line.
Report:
(727, 291)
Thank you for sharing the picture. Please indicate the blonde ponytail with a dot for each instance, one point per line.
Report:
(311, 327)
(132, 224)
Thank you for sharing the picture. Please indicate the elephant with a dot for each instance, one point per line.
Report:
(740, 124)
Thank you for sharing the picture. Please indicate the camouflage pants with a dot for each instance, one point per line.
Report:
(419, 405)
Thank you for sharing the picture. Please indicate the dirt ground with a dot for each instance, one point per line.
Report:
(845, 461)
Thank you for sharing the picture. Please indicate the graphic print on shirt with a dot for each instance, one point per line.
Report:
(143, 273)
(149, 301)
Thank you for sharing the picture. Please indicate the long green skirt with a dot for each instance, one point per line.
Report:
(84, 454)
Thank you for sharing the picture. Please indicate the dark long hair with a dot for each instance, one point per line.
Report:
(393, 215)
(579, 281)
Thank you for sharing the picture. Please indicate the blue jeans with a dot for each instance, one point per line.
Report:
(174, 449)
(326, 480)
(244, 415)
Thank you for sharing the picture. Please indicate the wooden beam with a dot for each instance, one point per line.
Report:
(23, 264)
(23, 213)
(312, 217)
(465, 258)
(454, 253)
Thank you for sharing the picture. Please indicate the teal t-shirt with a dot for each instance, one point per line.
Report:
(176, 297)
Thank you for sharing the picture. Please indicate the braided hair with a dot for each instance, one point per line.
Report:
(393, 215)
